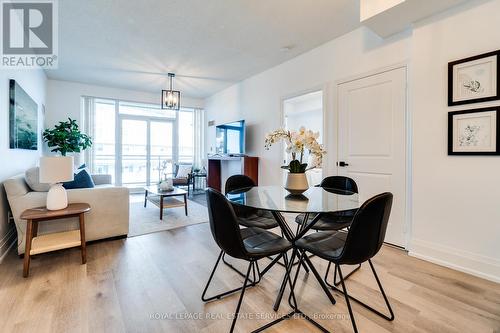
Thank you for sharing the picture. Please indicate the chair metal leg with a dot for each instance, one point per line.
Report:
(380, 314)
(295, 309)
(273, 262)
(236, 313)
(346, 295)
(253, 281)
(219, 296)
(258, 270)
(335, 282)
(318, 277)
(391, 318)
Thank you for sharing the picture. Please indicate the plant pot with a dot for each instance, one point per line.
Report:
(296, 183)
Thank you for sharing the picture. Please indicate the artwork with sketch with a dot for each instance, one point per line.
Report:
(473, 79)
(473, 131)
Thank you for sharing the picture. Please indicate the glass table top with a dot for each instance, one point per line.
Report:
(314, 200)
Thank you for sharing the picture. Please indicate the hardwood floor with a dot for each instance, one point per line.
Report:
(153, 283)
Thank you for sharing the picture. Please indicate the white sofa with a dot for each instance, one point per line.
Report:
(109, 215)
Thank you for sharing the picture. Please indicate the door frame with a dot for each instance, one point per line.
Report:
(408, 222)
(119, 144)
(324, 88)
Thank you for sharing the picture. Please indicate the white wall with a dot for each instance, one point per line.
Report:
(64, 98)
(312, 120)
(456, 211)
(15, 161)
(258, 99)
(455, 215)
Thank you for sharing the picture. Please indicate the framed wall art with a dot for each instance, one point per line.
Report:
(474, 132)
(474, 79)
(23, 122)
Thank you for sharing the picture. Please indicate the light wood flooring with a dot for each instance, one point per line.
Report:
(153, 283)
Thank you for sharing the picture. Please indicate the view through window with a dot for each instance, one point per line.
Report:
(138, 144)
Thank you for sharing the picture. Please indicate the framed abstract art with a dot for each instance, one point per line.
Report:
(23, 119)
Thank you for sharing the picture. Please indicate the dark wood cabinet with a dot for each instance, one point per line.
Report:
(221, 167)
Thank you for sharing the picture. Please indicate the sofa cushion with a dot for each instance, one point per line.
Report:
(16, 186)
(82, 179)
(184, 171)
(32, 177)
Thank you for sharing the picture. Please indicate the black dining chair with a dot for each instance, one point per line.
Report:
(249, 217)
(334, 221)
(249, 244)
(360, 244)
(337, 220)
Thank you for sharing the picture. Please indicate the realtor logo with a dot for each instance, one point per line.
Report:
(29, 33)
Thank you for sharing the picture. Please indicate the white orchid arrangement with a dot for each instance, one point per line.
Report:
(296, 143)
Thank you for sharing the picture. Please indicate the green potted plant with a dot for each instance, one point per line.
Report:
(66, 138)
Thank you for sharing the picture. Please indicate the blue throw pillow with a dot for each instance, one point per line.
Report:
(82, 179)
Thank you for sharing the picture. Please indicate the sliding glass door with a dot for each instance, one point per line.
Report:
(146, 151)
(103, 157)
(134, 153)
(138, 143)
(161, 150)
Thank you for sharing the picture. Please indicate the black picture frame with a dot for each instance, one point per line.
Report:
(450, 131)
(469, 59)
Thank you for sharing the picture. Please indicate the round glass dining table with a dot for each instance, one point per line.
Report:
(313, 202)
(277, 199)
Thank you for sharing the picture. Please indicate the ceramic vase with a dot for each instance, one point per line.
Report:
(296, 183)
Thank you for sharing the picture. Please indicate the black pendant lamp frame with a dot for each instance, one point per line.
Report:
(171, 99)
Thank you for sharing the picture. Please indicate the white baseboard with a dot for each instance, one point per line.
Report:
(7, 243)
(484, 267)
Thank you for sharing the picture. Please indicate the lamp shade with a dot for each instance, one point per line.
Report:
(56, 169)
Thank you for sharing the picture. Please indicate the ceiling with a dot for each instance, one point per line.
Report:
(209, 44)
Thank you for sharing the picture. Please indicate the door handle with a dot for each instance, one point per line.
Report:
(342, 164)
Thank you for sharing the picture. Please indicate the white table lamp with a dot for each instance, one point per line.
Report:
(54, 171)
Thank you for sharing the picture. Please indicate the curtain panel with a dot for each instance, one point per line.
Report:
(199, 158)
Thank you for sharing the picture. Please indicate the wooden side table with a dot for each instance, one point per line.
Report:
(54, 241)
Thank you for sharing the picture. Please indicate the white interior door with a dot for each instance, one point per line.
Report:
(372, 141)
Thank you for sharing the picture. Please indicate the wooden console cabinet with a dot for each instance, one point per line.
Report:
(222, 167)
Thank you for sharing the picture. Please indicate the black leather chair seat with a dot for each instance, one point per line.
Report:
(260, 243)
(259, 219)
(247, 216)
(325, 244)
(329, 221)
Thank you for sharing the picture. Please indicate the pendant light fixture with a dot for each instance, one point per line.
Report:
(171, 99)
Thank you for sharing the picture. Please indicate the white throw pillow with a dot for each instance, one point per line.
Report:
(184, 171)
(32, 177)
